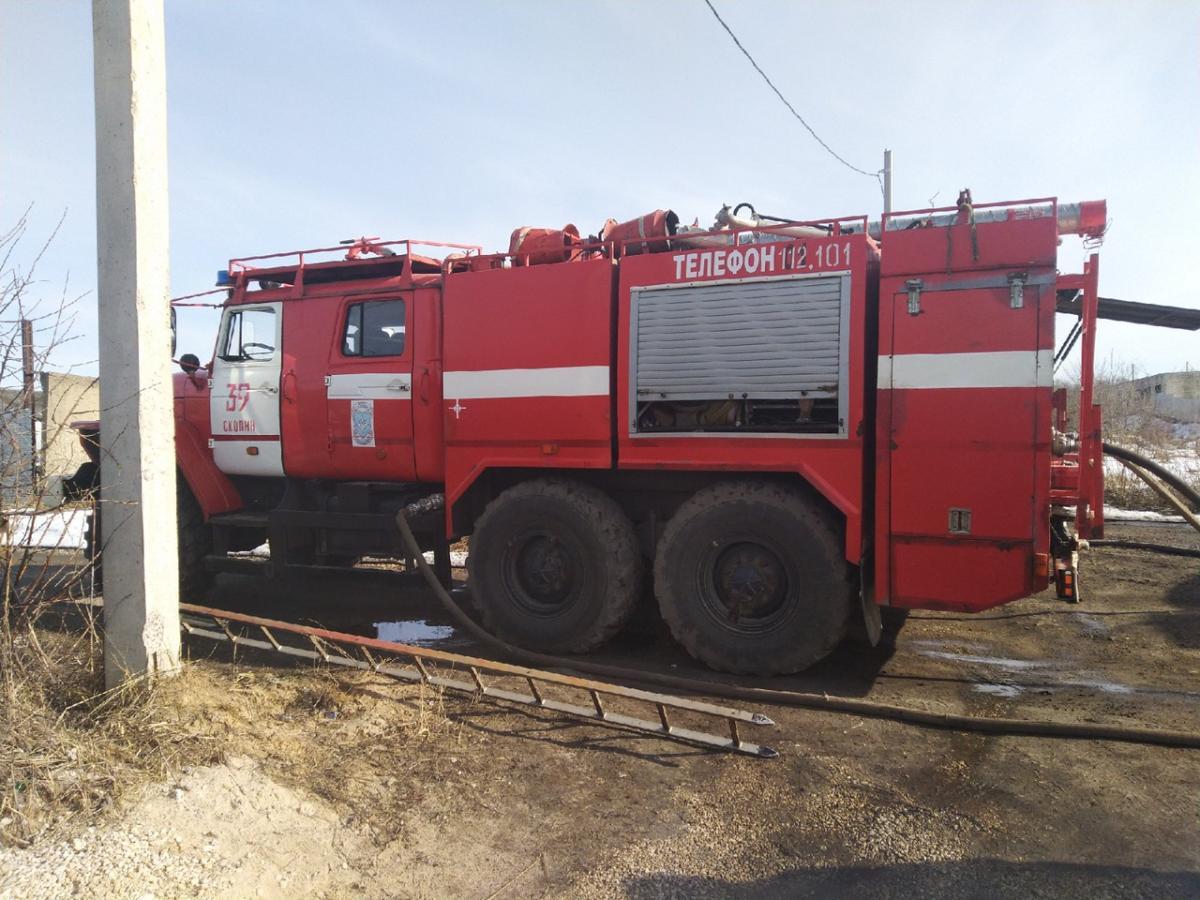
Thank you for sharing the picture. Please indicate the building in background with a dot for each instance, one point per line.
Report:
(1175, 395)
(17, 457)
(38, 447)
(65, 399)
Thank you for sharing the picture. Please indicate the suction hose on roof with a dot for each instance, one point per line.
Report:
(866, 708)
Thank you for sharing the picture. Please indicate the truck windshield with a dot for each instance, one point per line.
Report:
(249, 336)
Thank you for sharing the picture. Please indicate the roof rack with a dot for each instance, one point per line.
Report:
(359, 258)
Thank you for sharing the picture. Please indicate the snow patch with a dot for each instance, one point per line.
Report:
(458, 559)
(1112, 514)
(1183, 464)
(59, 529)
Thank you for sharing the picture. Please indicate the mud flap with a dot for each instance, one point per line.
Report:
(866, 628)
(872, 620)
(1066, 578)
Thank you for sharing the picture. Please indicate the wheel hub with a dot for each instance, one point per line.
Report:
(544, 571)
(751, 581)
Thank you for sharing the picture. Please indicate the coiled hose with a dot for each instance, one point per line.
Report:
(865, 708)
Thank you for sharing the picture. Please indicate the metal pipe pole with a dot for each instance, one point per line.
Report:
(887, 181)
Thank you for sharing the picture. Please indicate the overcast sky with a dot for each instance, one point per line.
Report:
(296, 124)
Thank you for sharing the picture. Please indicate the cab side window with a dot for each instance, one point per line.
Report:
(249, 336)
(375, 328)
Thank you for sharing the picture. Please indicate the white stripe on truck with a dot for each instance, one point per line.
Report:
(1003, 369)
(493, 384)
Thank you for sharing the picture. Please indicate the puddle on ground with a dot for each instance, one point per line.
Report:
(929, 644)
(1045, 668)
(1000, 662)
(999, 690)
(1002, 689)
(417, 632)
(1092, 624)
(1107, 687)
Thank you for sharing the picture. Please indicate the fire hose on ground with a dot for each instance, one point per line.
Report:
(822, 702)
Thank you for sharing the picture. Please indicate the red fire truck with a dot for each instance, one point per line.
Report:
(771, 428)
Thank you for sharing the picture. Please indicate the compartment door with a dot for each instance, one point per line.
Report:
(965, 380)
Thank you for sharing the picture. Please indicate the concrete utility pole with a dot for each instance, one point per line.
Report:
(137, 436)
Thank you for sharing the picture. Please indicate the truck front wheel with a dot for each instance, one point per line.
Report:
(195, 543)
(751, 578)
(554, 566)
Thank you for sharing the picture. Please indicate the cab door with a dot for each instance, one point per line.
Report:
(369, 390)
(244, 391)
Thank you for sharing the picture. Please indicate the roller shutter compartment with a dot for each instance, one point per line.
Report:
(775, 349)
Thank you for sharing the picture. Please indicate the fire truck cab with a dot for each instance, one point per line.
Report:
(768, 429)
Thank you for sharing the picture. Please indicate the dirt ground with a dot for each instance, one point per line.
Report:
(340, 785)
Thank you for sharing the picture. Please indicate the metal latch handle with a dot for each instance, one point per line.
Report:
(914, 296)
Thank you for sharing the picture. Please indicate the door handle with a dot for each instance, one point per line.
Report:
(398, 385)
(269, 388)
(424, 385)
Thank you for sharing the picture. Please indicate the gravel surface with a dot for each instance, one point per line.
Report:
(216, 831)
(514, 804)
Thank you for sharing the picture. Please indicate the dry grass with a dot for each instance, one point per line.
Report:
(68, 747)
(1130, 421)
(70, 752)
(1124, 490)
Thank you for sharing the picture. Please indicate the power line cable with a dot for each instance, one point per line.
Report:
(816, 137)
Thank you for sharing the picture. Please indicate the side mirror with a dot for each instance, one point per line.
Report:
(189, 362)
(172, 332)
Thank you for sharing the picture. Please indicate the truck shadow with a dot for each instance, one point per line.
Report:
(990, 878)
(543, 728)
(392, 606)
(380, 603)
(1184, 631)
(851, 670)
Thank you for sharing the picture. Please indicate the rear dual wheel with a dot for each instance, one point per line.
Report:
(751, 578)
(554, 566)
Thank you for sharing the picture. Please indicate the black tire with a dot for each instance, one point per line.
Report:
(751, 578)
(195, 543)
(554, 566)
